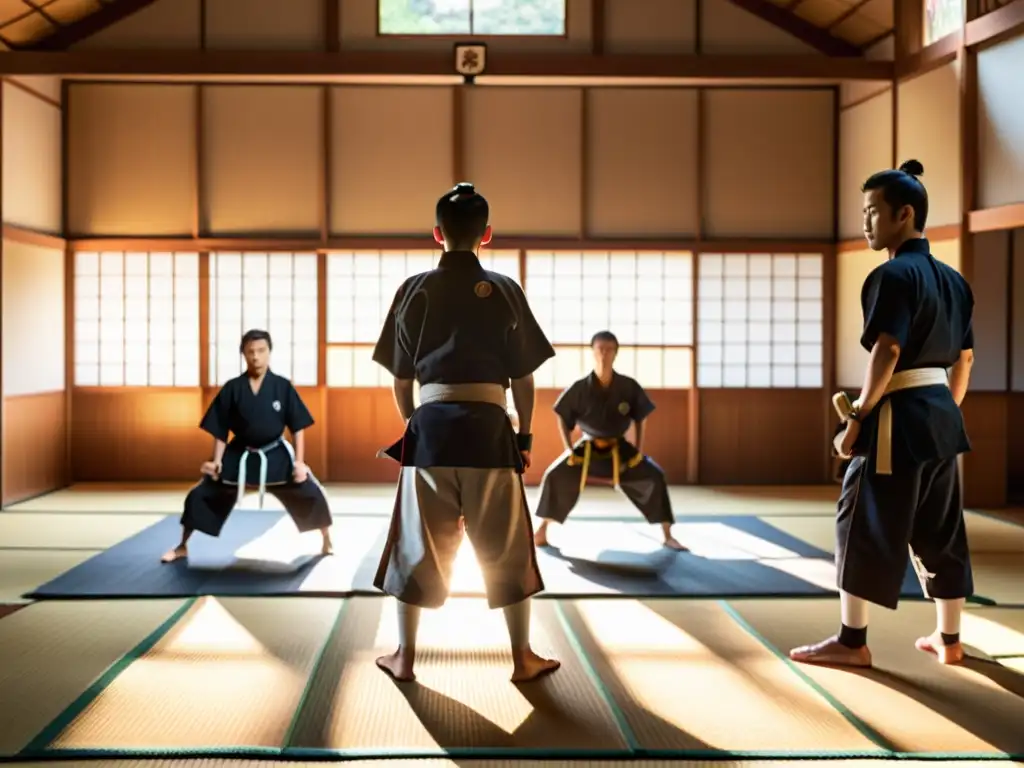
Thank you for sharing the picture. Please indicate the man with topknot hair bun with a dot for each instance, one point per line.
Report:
(904, 434)
(467, 335)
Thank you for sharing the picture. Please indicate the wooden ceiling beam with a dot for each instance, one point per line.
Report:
(849, 12)
(87, 26)
(788, 22)
(317, 64)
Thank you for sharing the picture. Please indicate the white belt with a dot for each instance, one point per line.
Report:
(916, 377)
(262, 453)
(465, 393)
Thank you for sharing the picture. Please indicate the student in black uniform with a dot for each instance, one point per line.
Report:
(903, 487)
(256, 408)
(603, 405)
(466, 335)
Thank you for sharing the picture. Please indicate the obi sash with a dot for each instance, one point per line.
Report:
(612, 451)
(911, 379)
(262, 453)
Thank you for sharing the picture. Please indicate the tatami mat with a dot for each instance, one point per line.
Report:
(57, 531)
(21, 571)
(916, 704)
(230, 672)
(463, 698)
(52, 652)
(686, 675)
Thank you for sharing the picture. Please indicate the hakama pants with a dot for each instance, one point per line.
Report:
(210, 502)
(416, 566)
(643, 483)
(883, 519)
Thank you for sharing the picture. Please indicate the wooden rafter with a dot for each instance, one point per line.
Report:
(109, 13)
(787, 21)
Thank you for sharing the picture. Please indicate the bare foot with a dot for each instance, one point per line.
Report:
(529, 666)
(177, 553)
(832, 653)
(398, 665)
(540, 537)
(946, 654)
(327, 548)
(672, 543)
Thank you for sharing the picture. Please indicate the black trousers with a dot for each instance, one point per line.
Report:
(210, 502)
(644, 484)
(882, 518)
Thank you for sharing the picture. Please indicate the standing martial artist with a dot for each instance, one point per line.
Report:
(604, 404)
(466, 335)
(902, 487)
(256, 408)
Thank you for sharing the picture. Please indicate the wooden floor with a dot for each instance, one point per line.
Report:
(227, 682)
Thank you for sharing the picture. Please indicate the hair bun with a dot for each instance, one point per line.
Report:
(464, 188)
(912, 168)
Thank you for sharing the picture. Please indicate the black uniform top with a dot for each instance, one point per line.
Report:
(601, 411)
(256, 419)
(927, 307)
(460, 324)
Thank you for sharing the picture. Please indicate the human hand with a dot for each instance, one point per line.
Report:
(300, 472)
(526, 459)
(850, 435)
(211, 469)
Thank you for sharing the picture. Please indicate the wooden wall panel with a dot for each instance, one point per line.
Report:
(664, 26)
(523, 150)
(765, 436)
(1015, 446)
(642, 139)
(727, 28)
(991, 311)
(262, 160)
(33, 319)
(419, 152)
(1000, 124)
(32, 187)
(35, 434)
(295, 25)
(1016, 345)
(865, 147)
(137, 434)
(856, 91)
(131, 159)
(928, 129)
(358, 21)
(365, 420)
(777, 180)
(47, 86)
(946, 251)
(164, 24)
(986, 478)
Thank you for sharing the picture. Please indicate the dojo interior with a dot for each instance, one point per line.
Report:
(684, 173)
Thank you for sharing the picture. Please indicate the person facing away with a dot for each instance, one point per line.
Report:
(603, 405)
(902, 487)
(256, 407)
(466, 335)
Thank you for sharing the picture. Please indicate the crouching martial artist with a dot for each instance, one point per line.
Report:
(255, 407)
(902, 488)
(604, 404)
(463, 333)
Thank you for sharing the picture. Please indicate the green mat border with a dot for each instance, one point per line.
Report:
(37, 749)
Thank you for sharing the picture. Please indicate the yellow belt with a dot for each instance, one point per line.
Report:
(917, 377)
(588, 449)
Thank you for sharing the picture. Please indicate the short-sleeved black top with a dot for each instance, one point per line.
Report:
(601, 411)
(460, 324)
(927, 307)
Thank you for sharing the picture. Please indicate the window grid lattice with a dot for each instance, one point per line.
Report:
(136, 319)
(760, 321)
(275, 292)
(360, 288)
(644, 298)
(472, 17)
